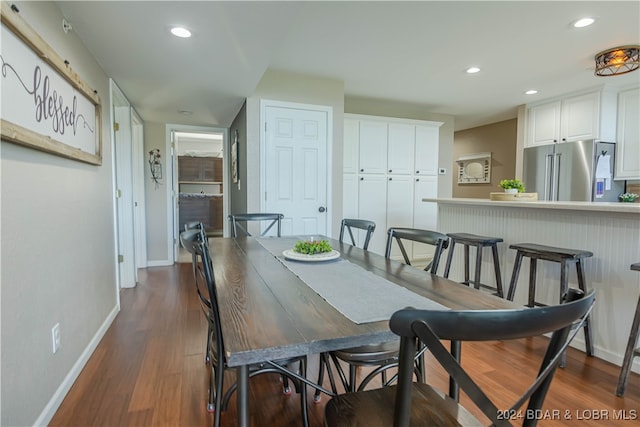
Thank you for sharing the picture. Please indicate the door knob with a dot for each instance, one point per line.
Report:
(321, 209)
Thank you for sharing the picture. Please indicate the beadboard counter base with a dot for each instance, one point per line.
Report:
(610, 230)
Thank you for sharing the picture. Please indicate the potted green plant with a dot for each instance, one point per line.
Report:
(628, 197)
(512, 185)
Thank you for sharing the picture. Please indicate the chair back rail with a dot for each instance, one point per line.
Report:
(433, 238)
(238, 219)
(362, 224)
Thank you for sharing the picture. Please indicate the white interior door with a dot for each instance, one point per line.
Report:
(124, 197)
(295, 165)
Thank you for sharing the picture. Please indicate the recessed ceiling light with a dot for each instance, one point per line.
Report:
(180, 32)
(531, 92)
(584, 22)
(185, 112)
(473, 70)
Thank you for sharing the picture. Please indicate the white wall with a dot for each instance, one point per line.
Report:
(57, 257)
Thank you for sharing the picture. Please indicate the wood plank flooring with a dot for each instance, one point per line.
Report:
(149, 370)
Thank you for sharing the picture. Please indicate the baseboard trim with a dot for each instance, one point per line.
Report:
(56, 400)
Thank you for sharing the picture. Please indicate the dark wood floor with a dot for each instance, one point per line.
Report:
(149, 371)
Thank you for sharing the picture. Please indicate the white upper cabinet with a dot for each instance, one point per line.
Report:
(544, 124)
(580, 118)
(351, 139)
(373, 147)
(426, 157)
(587, 116)
(400, 151)
(628, 135)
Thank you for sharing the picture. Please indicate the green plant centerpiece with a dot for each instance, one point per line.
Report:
(628, 197)
(312, 247)
(512, 184)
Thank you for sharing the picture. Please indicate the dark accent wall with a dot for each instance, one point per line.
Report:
(499, 139)
(238, 191)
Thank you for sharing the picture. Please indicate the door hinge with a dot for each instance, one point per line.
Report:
(120, 258)
(116, 126)
(118, 194)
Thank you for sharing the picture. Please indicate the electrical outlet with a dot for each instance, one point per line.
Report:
(55, 337)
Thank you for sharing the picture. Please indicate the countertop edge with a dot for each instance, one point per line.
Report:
(608, 207)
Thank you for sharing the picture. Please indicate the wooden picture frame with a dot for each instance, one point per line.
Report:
(45, 104)
(235, 166)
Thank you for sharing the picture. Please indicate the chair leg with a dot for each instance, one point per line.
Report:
(588, 339)
(321, 365)
(478, 266)
(496, 267)
(353, 374)
(303, 394)
(447, 266)
(629, 353)
(466, 265)
(286, 388)
(514, 276)
(533, 266)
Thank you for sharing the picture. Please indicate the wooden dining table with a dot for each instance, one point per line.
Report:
(267, 312)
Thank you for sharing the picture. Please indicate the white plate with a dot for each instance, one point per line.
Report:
(325, 256)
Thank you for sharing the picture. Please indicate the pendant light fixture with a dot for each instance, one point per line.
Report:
(618, 60)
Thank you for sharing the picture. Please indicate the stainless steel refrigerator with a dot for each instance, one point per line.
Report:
(572, 171)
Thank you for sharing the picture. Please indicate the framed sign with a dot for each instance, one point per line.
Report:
(235, 166)
(45, 105)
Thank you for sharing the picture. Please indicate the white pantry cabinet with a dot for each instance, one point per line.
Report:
(585, 116)
(389, 166)
(628, 135)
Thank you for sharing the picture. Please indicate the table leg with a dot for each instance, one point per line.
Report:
(454, 388)
(243, 395)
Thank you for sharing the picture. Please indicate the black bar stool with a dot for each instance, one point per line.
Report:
(479, 242)
(631, 351)
(549, 253)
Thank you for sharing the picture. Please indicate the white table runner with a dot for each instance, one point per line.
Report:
(358, 294)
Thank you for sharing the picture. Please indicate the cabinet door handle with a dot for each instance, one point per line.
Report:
(417, 171)
(361, 179)
(390, 179)
(361, 170)
(417, 179)
(390, 171)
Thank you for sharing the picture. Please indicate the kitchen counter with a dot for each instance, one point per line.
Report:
(610, 230)
(574, 206)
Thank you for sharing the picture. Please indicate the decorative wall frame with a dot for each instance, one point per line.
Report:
(235, 166)
(45, 104)
(474, 168)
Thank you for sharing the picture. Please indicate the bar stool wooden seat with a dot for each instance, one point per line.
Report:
(563, 256)
(632, 351)
(479, 242)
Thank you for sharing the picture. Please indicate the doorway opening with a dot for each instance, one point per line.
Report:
(200, 171)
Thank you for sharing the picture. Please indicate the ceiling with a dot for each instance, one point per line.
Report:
(401, 52)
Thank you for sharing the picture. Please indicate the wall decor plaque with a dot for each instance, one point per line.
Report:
(474, 168)
(45, 104)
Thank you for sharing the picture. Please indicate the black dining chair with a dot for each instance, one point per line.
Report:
(419, 404)
(271, 218)
(194, 242)
(349, 224)
(433, 238)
